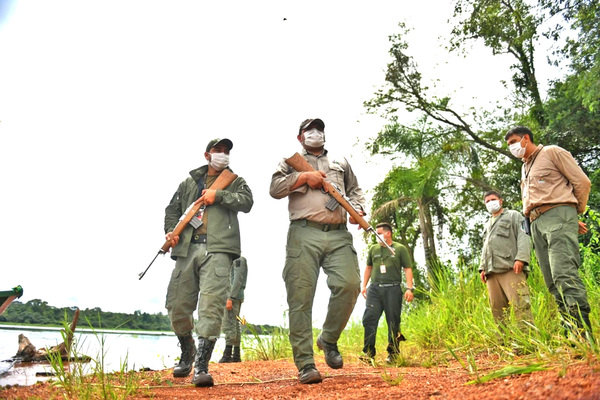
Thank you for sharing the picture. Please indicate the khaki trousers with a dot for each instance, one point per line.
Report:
(509, 289)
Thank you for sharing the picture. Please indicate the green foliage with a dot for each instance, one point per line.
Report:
(508, 371)
(259, 346)
(38, 312)
(466, 144)
(505, 27)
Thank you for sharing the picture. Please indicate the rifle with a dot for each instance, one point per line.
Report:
(300, 164)
(193, 214)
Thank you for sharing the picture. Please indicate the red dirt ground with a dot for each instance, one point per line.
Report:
(278, 380)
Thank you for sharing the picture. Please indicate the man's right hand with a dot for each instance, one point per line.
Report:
(483, 278)
(314, 179)
(174, 239)
(364, 292)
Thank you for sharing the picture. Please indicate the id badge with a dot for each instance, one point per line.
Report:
(382, 268)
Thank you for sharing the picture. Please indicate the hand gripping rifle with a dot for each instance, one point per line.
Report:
(300, 164)
(193, 214)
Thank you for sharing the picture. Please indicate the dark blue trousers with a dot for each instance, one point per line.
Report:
(380, 300)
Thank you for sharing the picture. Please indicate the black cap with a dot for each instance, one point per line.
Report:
(215, 142)
(308, 122)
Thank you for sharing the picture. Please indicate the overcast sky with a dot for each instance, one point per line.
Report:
(105, 107)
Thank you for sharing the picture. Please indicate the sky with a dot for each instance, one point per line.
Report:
(105, 106)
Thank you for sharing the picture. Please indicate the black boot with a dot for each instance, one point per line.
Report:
(226, 354)
(236, 354)
(188, 351)
(201, 375)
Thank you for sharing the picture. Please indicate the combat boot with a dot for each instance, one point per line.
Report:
(226, 355)
(201, 376)
(236, 354)
(188, 352)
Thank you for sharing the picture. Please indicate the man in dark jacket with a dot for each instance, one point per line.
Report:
(505, 260)
(204, 256)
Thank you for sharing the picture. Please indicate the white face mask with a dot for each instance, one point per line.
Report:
(493, 206)
(314, 138)
(219, 161)
(517, 150)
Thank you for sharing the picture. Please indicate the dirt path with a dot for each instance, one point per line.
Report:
(278, 380)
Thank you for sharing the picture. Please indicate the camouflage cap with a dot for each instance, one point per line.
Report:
(215, 142)
(307, 122)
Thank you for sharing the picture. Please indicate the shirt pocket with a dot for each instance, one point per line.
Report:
(544, 178)
(336, 176)
(503, 229)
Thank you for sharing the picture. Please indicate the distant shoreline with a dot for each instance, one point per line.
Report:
(83, 330)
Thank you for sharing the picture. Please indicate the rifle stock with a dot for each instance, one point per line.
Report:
(224, 179)
(300, 164)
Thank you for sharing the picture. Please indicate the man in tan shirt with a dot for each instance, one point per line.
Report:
(318, 238)
(554, 190)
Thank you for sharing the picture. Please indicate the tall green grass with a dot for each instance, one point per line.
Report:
(87, 379)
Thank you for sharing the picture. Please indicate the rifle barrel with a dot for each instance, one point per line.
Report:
(151, 262)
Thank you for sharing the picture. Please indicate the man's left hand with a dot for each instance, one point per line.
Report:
(353, 221)
(409, 296)
(229, 304)
(582, 227)
(518, 267)
(208, 196)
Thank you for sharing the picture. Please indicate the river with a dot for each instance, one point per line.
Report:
(135, 349)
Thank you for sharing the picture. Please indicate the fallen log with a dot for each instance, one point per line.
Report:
(28, 352)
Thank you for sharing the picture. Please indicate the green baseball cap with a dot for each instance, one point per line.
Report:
(217, 141)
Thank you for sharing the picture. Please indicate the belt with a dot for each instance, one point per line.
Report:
(536, 212)
(198, 239)
(387, 284)
(321, 227)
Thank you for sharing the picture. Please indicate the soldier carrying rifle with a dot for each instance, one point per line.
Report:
(318, 238)
(204, 251)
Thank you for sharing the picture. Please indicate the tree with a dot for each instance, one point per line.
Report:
(480, 159)
(506, 27)
(409, 197)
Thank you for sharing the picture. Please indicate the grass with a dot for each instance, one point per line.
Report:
(453, 323)
(83, 380)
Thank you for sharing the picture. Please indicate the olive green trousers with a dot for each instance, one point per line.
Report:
(308, 250)
(231, 325)
(556, 245)
(200, 280)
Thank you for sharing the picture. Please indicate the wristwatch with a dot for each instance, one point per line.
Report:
(410, 288)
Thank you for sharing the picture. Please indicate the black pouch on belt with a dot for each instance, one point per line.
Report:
(526, 226)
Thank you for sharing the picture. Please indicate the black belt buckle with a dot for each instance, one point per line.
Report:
(326, 227)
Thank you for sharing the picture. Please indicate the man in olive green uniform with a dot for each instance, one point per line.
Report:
(385, 292)
(318, 238)
(231, 324)
(554, 190)
(204, 255)
(505, 260)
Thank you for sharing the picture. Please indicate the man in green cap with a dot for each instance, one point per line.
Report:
(554, 189)
(318, 238)
(203, 258)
